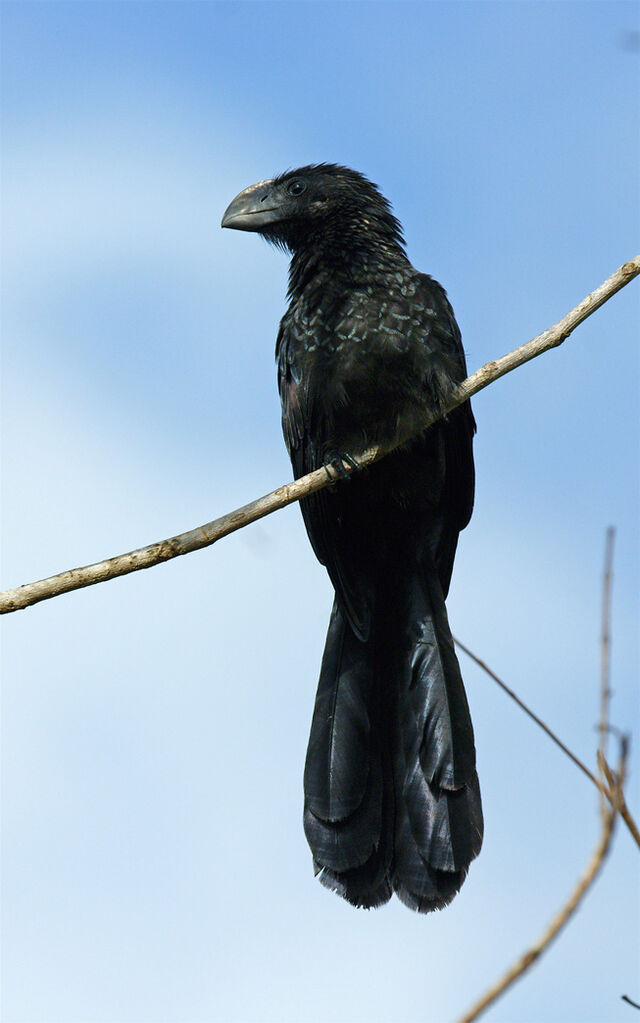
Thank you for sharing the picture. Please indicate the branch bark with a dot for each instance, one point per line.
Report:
(203, 536)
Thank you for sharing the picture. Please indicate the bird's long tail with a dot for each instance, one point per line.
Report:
(392, 801)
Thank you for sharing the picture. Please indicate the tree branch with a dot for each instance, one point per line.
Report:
(528, 958)
(608, 818)
(606, 790)
(204, 536)
(622, 807)
(625, 998)
(605, 645)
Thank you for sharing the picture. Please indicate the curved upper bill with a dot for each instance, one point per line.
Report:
(253, 209)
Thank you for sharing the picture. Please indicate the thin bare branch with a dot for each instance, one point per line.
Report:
(622, 807)
(534, 717)
(605, 643)
(608, 818)
(606, 790)
(204, 536)
(561, 919)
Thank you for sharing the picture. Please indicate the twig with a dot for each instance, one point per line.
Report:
(605, 643)
(623, 809)
(625, 998)
(560, 920)
(608, 818)
(534, 717)
(204, 536)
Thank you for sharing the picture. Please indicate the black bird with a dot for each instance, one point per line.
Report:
(367, 348)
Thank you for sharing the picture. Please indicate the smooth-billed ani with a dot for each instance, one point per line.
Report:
(368, 347)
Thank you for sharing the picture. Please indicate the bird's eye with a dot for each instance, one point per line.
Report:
(296, 187)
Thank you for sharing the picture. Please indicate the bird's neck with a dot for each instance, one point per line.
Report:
(348, 261)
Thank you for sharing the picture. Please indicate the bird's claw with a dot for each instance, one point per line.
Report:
(335, 467)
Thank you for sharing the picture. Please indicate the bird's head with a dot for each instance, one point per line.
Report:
(319, 205)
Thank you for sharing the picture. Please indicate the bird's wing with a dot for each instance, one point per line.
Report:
(305, 433)
(456, 430)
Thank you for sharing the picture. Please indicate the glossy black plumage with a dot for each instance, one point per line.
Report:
(367, 346)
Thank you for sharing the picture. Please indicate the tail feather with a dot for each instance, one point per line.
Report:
(420, 886)
(444, 825)
(392, 801)
(366, 887)
(437, 701)
(438, 810)
(352, 841)
(343, 778)
(337, 766)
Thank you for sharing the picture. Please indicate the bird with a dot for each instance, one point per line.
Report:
(366, 351)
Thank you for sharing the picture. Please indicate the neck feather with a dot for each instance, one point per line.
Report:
(353, 256)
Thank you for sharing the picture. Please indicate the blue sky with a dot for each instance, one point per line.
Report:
(154, 729)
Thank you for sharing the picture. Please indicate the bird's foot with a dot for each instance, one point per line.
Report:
(336, 466)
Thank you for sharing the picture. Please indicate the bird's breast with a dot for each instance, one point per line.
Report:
(361, 358)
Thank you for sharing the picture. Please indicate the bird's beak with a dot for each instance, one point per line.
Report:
(255, 208)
